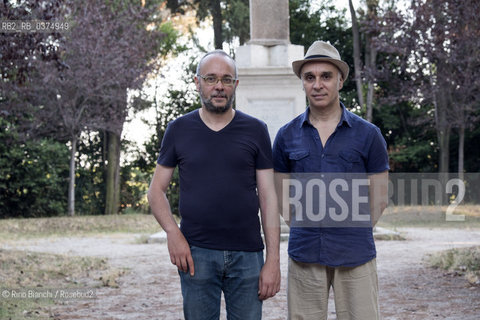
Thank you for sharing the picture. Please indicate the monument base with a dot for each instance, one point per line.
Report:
(268, 88)
(255, 55)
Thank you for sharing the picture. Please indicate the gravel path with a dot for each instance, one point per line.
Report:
(151, 290)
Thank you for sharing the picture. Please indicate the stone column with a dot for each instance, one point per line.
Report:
(268, 88)
(269, 23)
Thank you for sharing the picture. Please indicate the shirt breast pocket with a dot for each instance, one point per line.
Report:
(298, 159)
(351, 161)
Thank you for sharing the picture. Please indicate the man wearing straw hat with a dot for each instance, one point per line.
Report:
(325, 141)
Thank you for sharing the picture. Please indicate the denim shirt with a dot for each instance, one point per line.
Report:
(355, 147)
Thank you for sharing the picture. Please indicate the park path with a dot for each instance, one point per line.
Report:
(150, 290)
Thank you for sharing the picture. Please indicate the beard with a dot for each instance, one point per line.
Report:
(210, 107)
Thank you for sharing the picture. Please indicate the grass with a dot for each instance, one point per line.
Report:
(462, 261)
(393, 217)
(143, 224)
(14, 229)
(429, 217)
(389, 237)
(22, 271)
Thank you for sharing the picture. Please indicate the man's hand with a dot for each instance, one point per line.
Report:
(269, 282)
(179, 250)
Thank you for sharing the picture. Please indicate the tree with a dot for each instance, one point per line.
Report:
(463, 56)
(370, 56)
(364, 33)
(157, 51)
(237, 18)
(204, 9)
(230, 18)
(106, 52)
(435, 48)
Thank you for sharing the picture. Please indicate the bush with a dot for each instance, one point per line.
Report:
(465, 262)
(33, 176)
(460, 260)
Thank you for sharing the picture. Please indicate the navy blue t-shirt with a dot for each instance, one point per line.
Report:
(218, 196)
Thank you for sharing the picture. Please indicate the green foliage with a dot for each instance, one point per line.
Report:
(471, 154)
(237, 16)
(173, 192)
(233, 17)
(169, 43)
(412, 155)
(324, 23)
(410, 138)
(33, 175)
(134, 187)
(90, 185)
(176, 102)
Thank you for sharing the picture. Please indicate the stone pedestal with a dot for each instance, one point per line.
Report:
(268, 88)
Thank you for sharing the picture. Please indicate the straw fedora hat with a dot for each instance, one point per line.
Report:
(321, 51)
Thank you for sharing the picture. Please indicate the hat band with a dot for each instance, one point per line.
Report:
(317, 56)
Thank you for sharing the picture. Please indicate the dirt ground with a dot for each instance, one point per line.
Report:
(151, 290)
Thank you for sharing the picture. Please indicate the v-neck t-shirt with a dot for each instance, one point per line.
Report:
(218, 201)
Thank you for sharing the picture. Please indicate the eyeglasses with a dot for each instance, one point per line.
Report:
(213, 80)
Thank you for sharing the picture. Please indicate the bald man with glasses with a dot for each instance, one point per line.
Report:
(226, 175)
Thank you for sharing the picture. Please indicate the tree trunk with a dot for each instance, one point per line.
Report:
(370, 58)
(443, 130)
(461, 150)
(112, 197)
(216, 12)
(71, 182)
(441, 102)
(116, 197)
(356, 55)
(444, 149)
(369, 116)
(370, 63)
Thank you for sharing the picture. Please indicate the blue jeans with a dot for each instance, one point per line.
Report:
(236, 273)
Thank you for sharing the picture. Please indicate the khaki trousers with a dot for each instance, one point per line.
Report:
(355, 290)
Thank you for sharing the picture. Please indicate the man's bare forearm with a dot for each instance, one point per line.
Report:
(378, 193)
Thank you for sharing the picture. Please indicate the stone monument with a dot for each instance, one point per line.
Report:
(268, 89)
